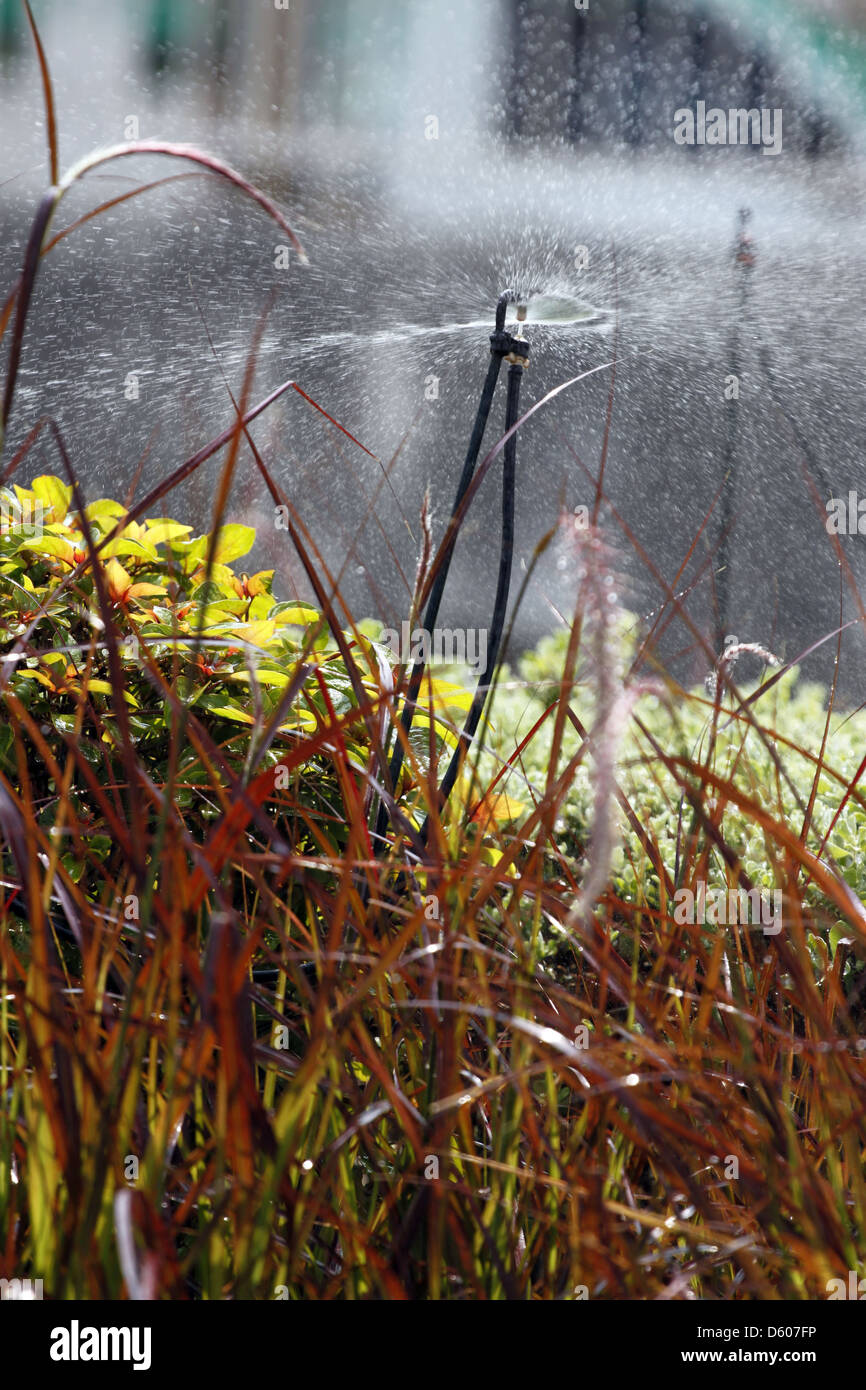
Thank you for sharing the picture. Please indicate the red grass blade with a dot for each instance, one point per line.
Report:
(48, 95)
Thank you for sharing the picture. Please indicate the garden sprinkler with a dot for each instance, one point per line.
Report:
(514, 349)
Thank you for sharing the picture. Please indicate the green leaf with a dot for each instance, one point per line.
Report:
(105, 688)
(263, 677)
(48, 545)
(160, 531)
(124, 545)
(208, 592)
(233, 541)
(226, 711)
(54, 495)
(257, 634)
(105, 513)
(190, 553)
(295, 614)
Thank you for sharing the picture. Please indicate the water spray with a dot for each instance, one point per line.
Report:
(514, 349)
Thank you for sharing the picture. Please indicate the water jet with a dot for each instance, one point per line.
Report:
(538, 307)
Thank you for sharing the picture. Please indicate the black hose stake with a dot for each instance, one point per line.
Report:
(502, 344)
(519, 360)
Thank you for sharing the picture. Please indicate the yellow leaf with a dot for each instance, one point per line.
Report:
(106, 688)
(229, 712)
(446, 694)
(54, 495)
(129, 545)
(159, 531)
(233, 542)
(36, 676)
(119, 582)
(221, 575)
(303, 719)
(257, 634)
(297, 615)
(54, 546)
(146, 590)
(263, 677)
(498, 808)
(252, 585)
(105, 512)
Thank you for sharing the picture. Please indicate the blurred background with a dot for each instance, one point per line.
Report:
(428, 156)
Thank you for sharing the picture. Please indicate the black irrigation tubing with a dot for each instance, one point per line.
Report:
(501, 344)
(506, 553)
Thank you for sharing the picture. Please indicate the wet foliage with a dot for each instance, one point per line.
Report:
(252, 1049)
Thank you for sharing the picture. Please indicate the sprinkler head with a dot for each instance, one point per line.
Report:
(533, 306)
(503, 343)
(551, 308)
